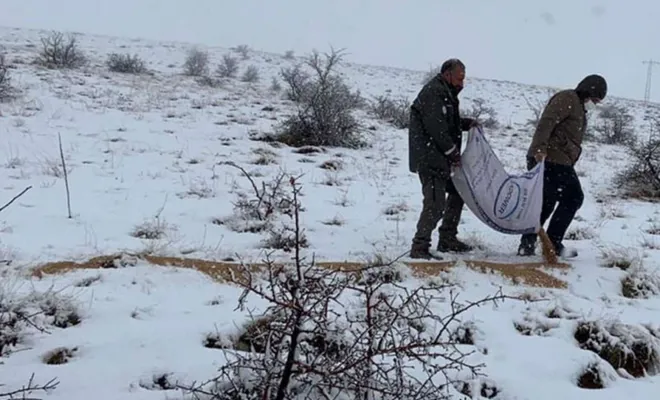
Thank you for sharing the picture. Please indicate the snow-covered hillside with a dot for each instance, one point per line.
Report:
(147, 159)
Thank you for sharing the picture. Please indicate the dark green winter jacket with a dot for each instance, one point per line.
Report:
(435, 128)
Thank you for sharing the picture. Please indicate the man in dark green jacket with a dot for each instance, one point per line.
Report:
(434, 144)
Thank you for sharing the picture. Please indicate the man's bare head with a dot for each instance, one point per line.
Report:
(453, 70)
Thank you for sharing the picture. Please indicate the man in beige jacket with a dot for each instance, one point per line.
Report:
(558, 141)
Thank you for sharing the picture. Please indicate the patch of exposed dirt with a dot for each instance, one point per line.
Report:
(530, 274)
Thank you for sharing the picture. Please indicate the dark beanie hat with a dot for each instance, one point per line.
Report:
(592, 86)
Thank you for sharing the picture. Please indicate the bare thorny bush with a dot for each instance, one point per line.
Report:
(641, 179)
(330, 334)
(483, 113)
(614, 125)
(126, 64)
(392, 111)
(258, 211)
(196, 63)
(60, 52)
(22, 316)
(325, 105)
(536, 106)
(7, 91)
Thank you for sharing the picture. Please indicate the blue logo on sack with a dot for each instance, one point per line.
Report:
(507, 200)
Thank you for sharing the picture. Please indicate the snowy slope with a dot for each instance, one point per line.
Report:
(150, 150)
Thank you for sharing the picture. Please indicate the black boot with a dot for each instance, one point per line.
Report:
(420, 253)
(453, 245)
(526, 250)
(527, 246)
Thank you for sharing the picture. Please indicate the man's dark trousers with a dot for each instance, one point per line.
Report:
(562, 193)
(435, 207)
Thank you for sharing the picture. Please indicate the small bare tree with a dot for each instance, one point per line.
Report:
(614, 125)
(243, 50)
(330, 334)
(60, 52)
(325, 105)
(395, 112)
(197, 63)
(228, 68)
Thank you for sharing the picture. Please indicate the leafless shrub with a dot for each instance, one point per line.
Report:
(251, 74)
(639, 283)
(641, 179)
(620, 258)
(265, 156)
(334, 221)
(275, 85)
(483, 113)
(352, 335)
(486, 389)
(7, 91)
(654, 229)
(152, 229)
(228, 68)
(60, 52)
(580, 233)
(199, 188)
(210, 81)
(631, 349)
(284, 239)
(59, 356)
(325, 106)
(396, 209)
(257, 213)
(289, 55)
(126, 63)
(22, 315)
(197, 63)
(243, 50)
(332, 165)
(535, 325)
(159, 381)
(614, 125)
(395, 112)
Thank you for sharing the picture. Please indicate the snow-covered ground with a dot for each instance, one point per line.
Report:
(150, 152)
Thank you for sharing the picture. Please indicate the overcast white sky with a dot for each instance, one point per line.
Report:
(552, 42)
